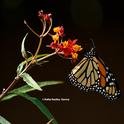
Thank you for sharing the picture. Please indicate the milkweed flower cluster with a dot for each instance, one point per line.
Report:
(68, 48)
(65, 48)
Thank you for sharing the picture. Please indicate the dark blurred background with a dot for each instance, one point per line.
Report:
(101, 20)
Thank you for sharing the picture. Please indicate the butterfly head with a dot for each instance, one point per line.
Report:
(91, 53)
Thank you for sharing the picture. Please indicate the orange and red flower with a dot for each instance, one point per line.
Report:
(67, 48)
(59, 30)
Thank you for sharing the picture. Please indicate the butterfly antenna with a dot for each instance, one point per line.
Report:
(92, 44)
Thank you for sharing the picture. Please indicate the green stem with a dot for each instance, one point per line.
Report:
(16, 79)
(38, 48)
(48, 28)
(45, 57)
(44, 27)
(31, 29)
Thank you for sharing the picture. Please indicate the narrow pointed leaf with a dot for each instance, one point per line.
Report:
(23, 51)
(40, 106)
(27, 88)
(20, 67)
(3, 120)
(30, 81)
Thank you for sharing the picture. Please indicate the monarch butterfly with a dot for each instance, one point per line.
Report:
(92, 74)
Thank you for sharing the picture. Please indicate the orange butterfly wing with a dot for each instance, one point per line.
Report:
(102, 74)
(104, 83)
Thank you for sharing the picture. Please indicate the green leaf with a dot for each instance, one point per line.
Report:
(20, 67)
(40, 106)
(3, 120)
(30, 81)
(27, 88)
(23, 51)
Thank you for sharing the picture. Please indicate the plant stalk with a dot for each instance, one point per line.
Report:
(16, 79)
(38, 48)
